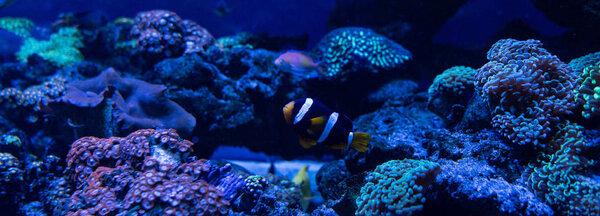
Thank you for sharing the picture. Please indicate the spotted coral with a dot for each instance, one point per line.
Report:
(61, 49)
(345, 49)
(527, 90)
(18, 26)
(450, 89)
(396, 187)
(559, 181)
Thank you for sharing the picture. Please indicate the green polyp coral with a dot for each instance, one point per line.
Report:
(61, 49)
(559, 180)
(346, 48)
(449, 89)
(396, 187)
(588, 92)
(18, 26)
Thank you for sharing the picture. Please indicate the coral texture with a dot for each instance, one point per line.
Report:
(589, 90)
(448, 94)
(527, 90)
(19, 26)
(62, 49)
(396, 187)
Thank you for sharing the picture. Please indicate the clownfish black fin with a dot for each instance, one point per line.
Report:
(316, 126)
(360, 141)
(306, 142)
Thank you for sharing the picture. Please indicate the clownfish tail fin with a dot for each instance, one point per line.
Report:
(360, 141)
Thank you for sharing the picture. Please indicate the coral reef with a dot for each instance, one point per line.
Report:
(163, 34)
(450, 92)
(346, 49)
(19, 26)
(527, 90)
(588, 91)
(62, 49)
(396, 187)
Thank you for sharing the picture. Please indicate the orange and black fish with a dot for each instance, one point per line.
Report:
(316, 124)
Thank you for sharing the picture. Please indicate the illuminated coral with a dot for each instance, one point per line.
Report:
(559, 181)
(450, 89)
(589, 90)
(62, 49)
(19, 26)
(347, 49)
(396, 187)
(527, 89)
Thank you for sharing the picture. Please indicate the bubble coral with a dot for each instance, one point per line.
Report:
(396, 187)
(558, 179)
(345, 48)
(526, 88)
(61, 49)
(450, 89)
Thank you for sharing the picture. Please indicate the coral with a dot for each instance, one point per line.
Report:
(162, 34)
(147, 173)
(578, 64)
(10, 171)
(61, 49)
(19, 26)
(473, 186)
(88, 153)
(527, 89)
(589, 90)
(345, 49)
(449, 92)
(135, 103)
(396, 187)
(254, 186)
(32, 96)
(558, 178)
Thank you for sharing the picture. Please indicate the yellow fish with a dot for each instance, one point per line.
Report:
(302, 179)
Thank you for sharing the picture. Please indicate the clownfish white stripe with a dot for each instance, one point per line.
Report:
(330, 123)
(350, 137)
(303, 110)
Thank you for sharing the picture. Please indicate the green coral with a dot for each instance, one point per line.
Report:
(18, 26)
(557, 180)
(61, 49)
(345, 48)
(582, 62)
(396, 187)
(588, 92)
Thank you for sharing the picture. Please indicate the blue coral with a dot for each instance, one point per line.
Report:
(396, 187)
(346, 49)
(527, 89)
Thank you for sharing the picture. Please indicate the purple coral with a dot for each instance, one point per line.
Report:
(162, 34)
(526, 88)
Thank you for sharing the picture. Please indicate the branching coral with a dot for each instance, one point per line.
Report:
(19, 26)
(349, 48)
(450, 89)
(61, 49)
(526, 88)
(558, 179)
(396, 187)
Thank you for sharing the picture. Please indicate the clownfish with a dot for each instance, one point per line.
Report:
(298, 64)
(316, 124)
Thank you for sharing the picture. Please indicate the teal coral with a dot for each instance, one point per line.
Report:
(450, 88)
(396, 187)
(589, 90)
(61, 49)
(18, 26)
(557, 179)
(582, 62)
(344, 48)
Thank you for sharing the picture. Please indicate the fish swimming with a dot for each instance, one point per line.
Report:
(316, 124)
(299, 64)
(302, 179)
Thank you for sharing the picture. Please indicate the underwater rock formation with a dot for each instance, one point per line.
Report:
(123, 104)
(527, 90)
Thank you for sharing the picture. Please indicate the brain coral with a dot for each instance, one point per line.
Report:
(450, 88)
(526, 89)
(396, 187)
(346, 49)
(559, 181)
